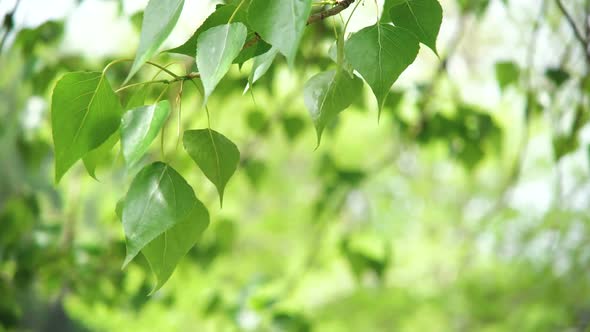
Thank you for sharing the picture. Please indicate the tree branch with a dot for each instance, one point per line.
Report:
(339, 7)
(572, 23)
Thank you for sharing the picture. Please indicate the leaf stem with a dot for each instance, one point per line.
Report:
(235, 12)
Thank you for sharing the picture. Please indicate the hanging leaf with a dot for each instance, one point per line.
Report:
(260, 66)
(220, 16)
(380, 53)
(327, 94)
(139, 128)
(216, 156)
(216, 50)
(162, 218)
(281, 23)
(159, 19)
(422, 17)
(165, 251)
(507, 73)
(85, 112)
(97, 156)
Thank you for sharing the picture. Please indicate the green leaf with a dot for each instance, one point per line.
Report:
(557, 75)
(281, 23)
(327, 94)
(219, 17)
(216, 156)
(97, 156)
(260, 66)
(139, 128)
(159, 19)
(165, 251)
(507, 73)
(85, 113)
(380, 53)
(216, 50)
(162, 218)
(421, 17)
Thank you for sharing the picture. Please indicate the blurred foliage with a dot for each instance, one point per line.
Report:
(453, 213)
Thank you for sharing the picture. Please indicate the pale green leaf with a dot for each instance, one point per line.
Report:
(329, 93)
(260, 66)
(380, 53)
(159, 19)
(85, 112)
(139, 127)
(216, 50)
(216, 156)
(280, 23)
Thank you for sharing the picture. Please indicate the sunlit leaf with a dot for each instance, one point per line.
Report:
(280, 22)
(85, 112)
(139, 127)
(216, 50)
(159, 19)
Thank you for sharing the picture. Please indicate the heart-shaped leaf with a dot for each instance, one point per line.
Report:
(93, 158)
(166, 250)
(159, 19)
(159, 206)
(139, 127)
(280, 22)
(329, 93)
(421, 17)
(220, 16)
(380, 53)
(85, 112)
(215, 155)
(216, 50)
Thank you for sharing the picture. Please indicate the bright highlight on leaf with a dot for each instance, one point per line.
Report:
(139, 127)
(329, 93)
(380, 53)
(421, 17)
(281, 23)
(162, 218)
(85, 112)
(216, 156)
(159, 19)
(216, 50)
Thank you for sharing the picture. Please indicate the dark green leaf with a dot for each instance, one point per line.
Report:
(557, 75)
(280, 22)
(159, 19)
(293, 126)
(162, 218)
(216, 156)
(85, 113)
(380, 53)
(139, 127)
(421, 17)
(327, 94)
(216, 50)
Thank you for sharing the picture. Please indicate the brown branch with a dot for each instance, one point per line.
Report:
(313, 18)
(572, 23)
(339, 7)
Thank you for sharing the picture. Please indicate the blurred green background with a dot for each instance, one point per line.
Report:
(464, 208)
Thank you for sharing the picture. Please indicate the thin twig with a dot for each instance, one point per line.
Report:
(579, 36)
(342, 5)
